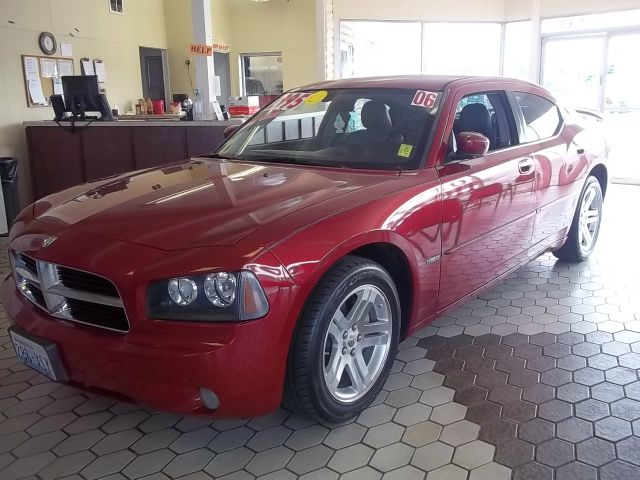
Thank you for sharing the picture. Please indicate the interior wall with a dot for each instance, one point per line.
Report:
(420, 10)
(521, 9)
(276, 26)
(102, 35)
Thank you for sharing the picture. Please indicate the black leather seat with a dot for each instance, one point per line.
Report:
(476, 118)
(375, 118)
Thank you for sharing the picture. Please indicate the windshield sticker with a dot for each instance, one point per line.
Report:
(289, 101)
(424, 99)
(317, 96)
(405, 150)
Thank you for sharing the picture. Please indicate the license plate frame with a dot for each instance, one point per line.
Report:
(38, 353)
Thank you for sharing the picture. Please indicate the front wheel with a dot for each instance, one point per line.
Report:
(585, 227)
(345, 343)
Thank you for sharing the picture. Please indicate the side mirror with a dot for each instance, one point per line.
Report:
(230, 130)
(472, 144)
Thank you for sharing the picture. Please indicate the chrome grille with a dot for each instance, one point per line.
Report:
(70, 294)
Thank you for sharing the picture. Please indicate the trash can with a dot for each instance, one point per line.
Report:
(9, 178)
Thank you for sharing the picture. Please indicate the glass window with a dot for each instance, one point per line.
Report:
(517, 50)
(379, 48)
(484, 113)
(461, 48)
(597, 21)
(262, 74)
(542, 117)
(382, 129)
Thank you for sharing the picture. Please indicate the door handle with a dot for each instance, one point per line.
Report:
(525, 166)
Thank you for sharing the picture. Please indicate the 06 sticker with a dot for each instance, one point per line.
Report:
(424, 99)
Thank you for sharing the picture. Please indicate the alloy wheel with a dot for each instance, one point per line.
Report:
(357, 343)
(589, 223)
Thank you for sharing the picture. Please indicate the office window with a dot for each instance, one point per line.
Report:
(517, 50)
(262, 74)
(626, 18)
(461, 48)
(115, 6)
(379, 48)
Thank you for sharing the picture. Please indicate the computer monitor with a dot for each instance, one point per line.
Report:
(82, 95)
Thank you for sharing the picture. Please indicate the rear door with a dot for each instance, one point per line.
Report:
(488, 202)
(558, 161)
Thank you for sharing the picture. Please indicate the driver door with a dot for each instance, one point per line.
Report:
(494, 198)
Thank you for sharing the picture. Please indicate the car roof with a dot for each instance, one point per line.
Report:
(429, 82)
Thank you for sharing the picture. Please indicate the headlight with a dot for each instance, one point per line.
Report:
(220, 296)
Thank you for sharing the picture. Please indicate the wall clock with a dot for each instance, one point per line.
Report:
(48, 43)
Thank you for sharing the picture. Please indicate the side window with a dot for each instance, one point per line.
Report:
(541, 117)
(485, 113)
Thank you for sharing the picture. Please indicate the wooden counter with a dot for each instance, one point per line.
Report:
(61, 158)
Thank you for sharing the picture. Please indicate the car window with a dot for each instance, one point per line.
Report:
(485, 113)
(541, 117)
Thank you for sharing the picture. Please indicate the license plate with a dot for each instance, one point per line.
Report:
(41, 355)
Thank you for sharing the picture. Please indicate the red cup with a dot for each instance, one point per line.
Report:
(158, 107)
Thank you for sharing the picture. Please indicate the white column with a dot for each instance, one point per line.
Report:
(203, 34)
(534, 67)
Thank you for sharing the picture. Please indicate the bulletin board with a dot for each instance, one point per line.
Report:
(42, 80)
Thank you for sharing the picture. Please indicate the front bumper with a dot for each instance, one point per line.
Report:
(243, 364)
(158, 363)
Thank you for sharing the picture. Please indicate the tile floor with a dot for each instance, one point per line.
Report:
(535, 379)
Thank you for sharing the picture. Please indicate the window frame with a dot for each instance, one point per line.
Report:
(522, 123)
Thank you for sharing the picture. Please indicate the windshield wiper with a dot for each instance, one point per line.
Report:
(221, 157)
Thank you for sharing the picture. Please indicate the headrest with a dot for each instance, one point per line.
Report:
(375, 116)
(475, 118)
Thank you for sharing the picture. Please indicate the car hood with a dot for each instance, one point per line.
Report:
(201, 203)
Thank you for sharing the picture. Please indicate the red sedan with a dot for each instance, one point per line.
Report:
(287, 266)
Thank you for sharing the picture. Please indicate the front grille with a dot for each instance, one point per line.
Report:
(103, 316)
(70, 294)
(86, 282)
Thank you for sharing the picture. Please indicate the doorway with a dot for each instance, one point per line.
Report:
(155, 74)
(222, 69)
(600, 71)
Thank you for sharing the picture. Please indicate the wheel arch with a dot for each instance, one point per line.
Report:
(392, 251)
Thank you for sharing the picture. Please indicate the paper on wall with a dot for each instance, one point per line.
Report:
(87, 67)
(57, 87)
(32, 75)
(217, 111)
(48, 68)
(65, 68)
(101, 71)
(66, 50)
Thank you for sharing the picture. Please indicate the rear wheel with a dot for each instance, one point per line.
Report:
(585, 227)
(345, 343)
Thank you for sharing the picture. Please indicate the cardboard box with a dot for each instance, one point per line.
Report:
(243, 106)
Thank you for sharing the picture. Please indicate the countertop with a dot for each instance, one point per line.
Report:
(139, 123)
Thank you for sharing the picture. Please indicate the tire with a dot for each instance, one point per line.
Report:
(325, 342)
(577, 248)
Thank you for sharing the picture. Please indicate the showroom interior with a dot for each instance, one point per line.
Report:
(535, 378)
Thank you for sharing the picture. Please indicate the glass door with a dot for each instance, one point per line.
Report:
(572, 69)
(622, 105)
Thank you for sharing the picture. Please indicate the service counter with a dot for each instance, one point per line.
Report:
(61, 157)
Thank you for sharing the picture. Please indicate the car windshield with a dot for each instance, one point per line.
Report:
(380, 128)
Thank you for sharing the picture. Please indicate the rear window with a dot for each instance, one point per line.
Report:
(541, 117)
